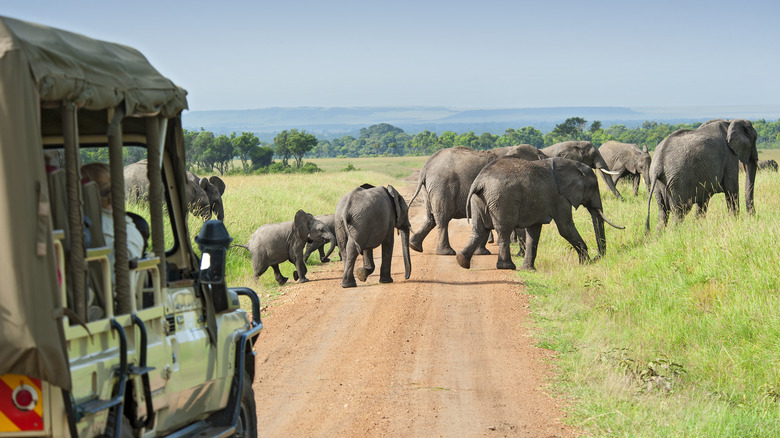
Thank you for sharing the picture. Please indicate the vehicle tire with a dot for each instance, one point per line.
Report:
(246, 426)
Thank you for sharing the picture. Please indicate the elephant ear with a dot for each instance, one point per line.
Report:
(570, 179)
(398, 203)
(741, 138)
(630, 163)
(217, 181)
(301, 224)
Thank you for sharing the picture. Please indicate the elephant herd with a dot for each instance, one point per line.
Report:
(514, 191)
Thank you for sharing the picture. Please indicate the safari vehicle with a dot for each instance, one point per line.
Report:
(171, 351)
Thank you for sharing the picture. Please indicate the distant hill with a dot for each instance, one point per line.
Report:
(338, 122)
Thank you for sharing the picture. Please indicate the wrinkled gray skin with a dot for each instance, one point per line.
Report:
(689, 166)
(330, 221)
(512, 193)
(586, 153)
(204, 196)
(276, 243)
(769, 165)
(628, 161)
(366, 218)
(445, 179)
(213, 188)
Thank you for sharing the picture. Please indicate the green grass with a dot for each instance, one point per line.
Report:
(673, 333)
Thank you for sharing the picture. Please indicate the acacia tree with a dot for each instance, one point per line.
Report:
(299, 143)
(243, 146)
(280, 146)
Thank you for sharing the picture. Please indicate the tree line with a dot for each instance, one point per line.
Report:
(217, 153)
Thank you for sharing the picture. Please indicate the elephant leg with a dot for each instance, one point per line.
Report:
(636, 184)
(504, 254)
(478, 237)
(416, 240)
(482, 248)
(307, 252)
(387, 258)
(568, 231)
(350, 256)
(520, 234)
(323, 257)
(300, 271)
(531, 244)
(731, 190)
(368, 265)
(280, 279)
(664, 208)
(443, 245)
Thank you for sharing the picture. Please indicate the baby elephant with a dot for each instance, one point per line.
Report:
(512, 193)
(272, 244)
(330, 221)
(366, 218)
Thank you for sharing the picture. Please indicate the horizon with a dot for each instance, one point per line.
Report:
(239, 55)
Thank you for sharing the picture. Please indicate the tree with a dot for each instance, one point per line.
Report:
(222, 153)
(243, 146)
(571, 129)
(281, 148)
(201, 147)
(261, 156)
(299, 143)
(595, 126)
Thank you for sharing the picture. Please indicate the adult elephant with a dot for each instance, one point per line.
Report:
(586, 153)
(366, 218)
(628, 161)
(512, 193)
(275, 243)
(204, 196)
(691, 165)
(445, 179)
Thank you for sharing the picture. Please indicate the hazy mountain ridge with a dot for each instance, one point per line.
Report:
(334, 122)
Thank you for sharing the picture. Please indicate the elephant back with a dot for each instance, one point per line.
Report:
(136, 182)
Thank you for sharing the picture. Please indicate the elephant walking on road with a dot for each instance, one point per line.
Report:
(586, 153)
(691, 165)
(330, 221)
(628, 161)
(512, 193)
(366, 218)
(445, 180)
(275, 243)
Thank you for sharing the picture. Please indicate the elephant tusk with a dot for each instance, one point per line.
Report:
(610, 222)
(610, 172)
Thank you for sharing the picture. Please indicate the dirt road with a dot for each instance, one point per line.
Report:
(446, 353)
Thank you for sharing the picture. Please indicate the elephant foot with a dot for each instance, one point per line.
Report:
(325, 260)
(281, 280)
(445, 251)
(482, 251)
(505, 264)
(348, 283)
(415, 246)
(463, 261)
(303, 280)
(295, 275)
(385, 279)
(529, 268)
(361, 274)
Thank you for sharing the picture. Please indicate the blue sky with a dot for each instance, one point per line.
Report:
(462, 54)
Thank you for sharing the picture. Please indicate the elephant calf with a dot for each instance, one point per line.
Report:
(365, 219)
(512, 193)
(275, 243)
(330, 221)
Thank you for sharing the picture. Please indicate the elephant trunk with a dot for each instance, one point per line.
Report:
(405, 250)
(601, 165)
(750, 181)
(598, 228)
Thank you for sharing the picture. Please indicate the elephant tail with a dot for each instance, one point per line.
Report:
(350, 235)
(239, 246)
(649, 201)
(475, 190)
(420, 184)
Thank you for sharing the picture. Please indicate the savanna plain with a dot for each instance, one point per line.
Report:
(672, 333)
